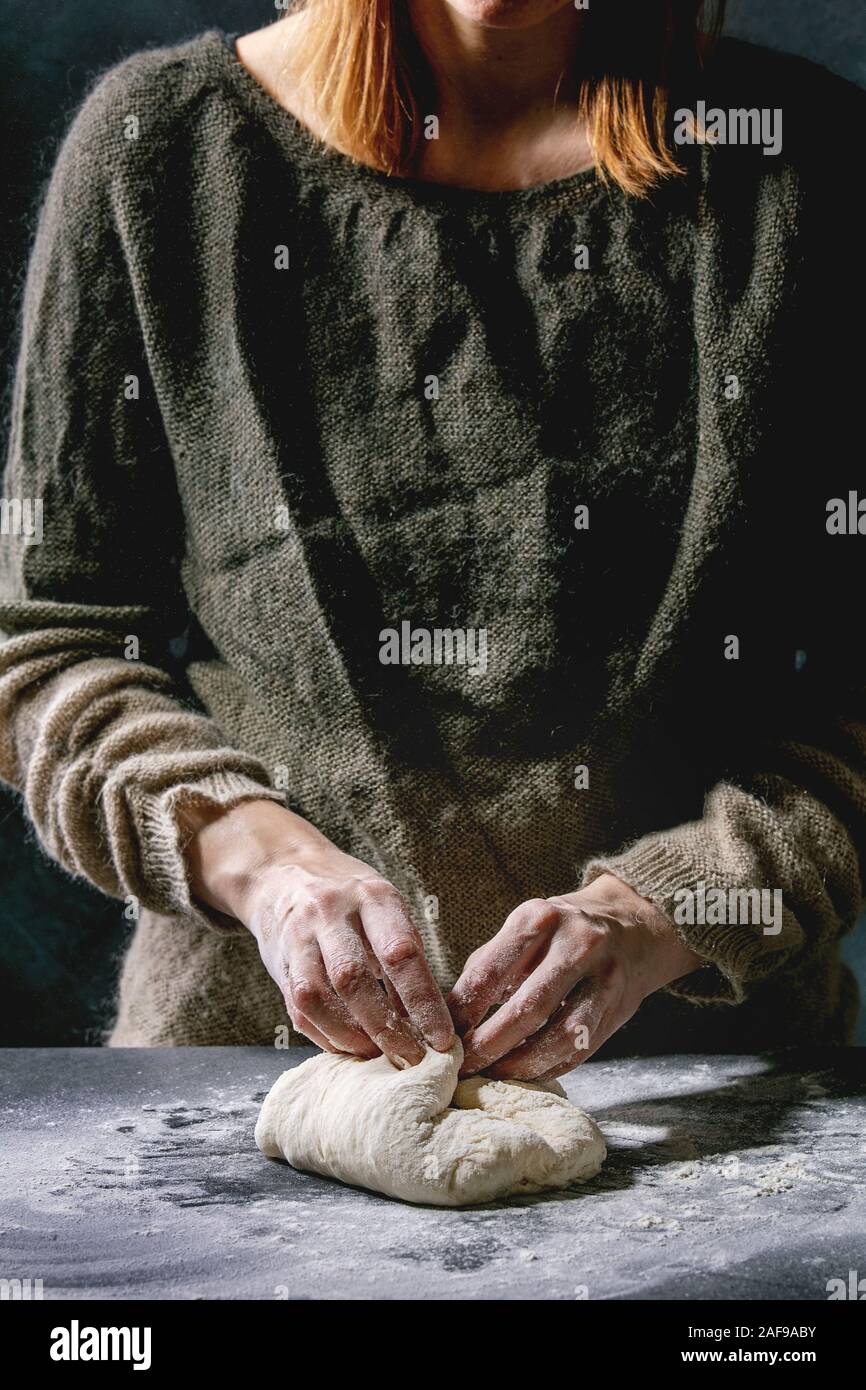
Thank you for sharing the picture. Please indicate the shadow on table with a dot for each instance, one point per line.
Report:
(748, 1112)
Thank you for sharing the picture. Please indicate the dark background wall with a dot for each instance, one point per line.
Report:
(60, 942)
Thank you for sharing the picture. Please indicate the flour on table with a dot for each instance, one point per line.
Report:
(421, 1136)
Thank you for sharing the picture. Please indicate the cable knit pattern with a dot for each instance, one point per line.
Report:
(281, 402)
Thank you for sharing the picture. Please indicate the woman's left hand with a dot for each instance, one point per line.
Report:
(572, 970)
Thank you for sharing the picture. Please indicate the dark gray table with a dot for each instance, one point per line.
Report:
(133, 1174)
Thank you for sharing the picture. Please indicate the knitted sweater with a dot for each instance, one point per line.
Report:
(286, 405)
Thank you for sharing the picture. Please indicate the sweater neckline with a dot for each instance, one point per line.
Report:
(299, 142)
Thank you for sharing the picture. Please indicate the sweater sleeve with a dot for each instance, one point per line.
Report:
(101, 739)
(797, 829)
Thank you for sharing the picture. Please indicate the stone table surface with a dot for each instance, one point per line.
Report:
(133, 1173)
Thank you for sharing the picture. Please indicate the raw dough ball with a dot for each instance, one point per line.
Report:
(418, 1135)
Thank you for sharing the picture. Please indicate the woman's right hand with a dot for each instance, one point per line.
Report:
(329, 928)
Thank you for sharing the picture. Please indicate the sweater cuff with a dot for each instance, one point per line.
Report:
(161, 871)
(658, 868)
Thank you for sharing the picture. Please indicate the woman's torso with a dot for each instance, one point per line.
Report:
(388, 404)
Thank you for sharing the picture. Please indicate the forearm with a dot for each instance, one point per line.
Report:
(105, 752)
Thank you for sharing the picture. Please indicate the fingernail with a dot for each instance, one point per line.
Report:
(412, 1055)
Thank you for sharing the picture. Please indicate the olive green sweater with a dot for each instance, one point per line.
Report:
(281, 403)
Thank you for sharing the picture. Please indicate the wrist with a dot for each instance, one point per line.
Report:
(670, 956)
(230, 849)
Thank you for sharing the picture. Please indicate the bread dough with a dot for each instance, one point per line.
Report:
(420, 1136)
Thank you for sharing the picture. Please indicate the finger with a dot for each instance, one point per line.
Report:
(500, 964)
(562, 1070)
(574, 1033)
(306, 1029)
(314, 998)
(398, 948)
(354, 983)
(302, 1025)
(396, 1002)
(528, 1009)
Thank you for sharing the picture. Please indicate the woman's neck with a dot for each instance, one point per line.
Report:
(490, 78)
(506, 98)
